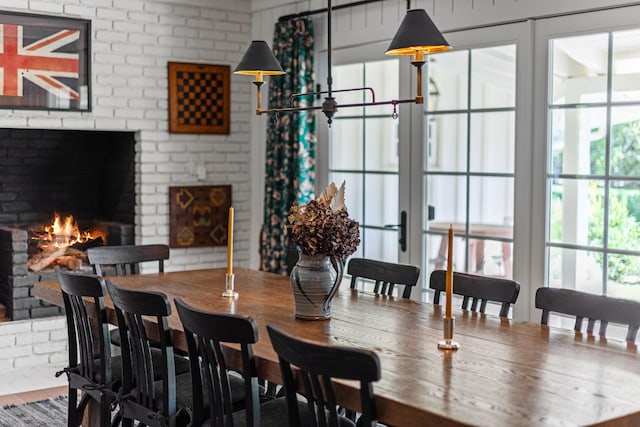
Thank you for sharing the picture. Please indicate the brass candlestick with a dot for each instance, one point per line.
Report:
(448, 343)
(229, 291)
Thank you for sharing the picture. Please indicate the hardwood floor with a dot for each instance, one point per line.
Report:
(32, 396)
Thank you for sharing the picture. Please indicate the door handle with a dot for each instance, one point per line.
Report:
(402, 228)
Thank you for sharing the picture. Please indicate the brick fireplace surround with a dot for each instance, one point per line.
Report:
(131, 43)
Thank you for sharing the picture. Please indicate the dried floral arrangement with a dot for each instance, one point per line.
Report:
(323, 226)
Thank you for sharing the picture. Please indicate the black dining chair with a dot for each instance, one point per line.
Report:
(218, 394)
(151, 401)
(476, 289)
(385, 276)
(126, 259)
(315, 366)
(594, 308)
(91, 368)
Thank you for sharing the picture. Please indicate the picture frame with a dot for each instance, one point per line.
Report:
(199, 98)
(199, 215)
(56, 51)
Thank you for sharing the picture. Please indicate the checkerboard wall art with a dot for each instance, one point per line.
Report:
(199, 98)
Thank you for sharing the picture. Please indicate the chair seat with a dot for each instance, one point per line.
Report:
(273, 412)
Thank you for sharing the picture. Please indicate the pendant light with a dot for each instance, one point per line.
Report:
(416, 37)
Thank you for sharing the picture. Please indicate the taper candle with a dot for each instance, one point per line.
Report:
(449, 276)
(230, 243)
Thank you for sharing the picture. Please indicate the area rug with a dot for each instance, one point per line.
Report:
(49, 412)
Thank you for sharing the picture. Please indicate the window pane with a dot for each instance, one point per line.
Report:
(623, 277)
(493, 81)
(575, 269)
(626, 66)
(349, 77)
(578, 141)
(580, 69)
(492, 138)
(448, 72)
(490, 257)
(576, 212)
(381, 200)
(447, 143)
(491, 205)
(354, 192)
(381, 145)
(383, 77)
(380, 244)
(447, 195)
(625, 141)
(347, 137)
(624, 215)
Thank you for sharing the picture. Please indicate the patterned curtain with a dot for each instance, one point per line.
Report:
(291, 138)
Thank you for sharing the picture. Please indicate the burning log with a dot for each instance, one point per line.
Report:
(45, 258)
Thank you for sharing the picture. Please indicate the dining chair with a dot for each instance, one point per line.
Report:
(476, 289)
(317, 365)
(91, 368)
(218, 394)
(152, 402)
(386, 275)
(126, 259)
(594, 308)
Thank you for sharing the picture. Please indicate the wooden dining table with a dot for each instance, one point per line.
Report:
(505, 373)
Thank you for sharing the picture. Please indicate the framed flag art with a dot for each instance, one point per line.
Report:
(44, 62)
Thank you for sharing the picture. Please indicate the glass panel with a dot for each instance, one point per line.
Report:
(576, 212)
(626, 66)
(346, 145)
(490, 257)
(446, 142)
(578, 141)
(492, 142)
(380, 244)
(491, 206)
(493, 79)
(580, 69)
(381, 145)
(448, 77)
(623, 277)
(575, 269)
(381, 200)
(354, 192)
(625, 141)
(624, 215)
(383, 77)
(348, 77)
(447, 195)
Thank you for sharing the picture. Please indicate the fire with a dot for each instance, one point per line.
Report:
(62, 234)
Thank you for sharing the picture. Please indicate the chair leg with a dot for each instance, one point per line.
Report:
(72, 415)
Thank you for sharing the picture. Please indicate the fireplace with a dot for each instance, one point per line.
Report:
(89, 174)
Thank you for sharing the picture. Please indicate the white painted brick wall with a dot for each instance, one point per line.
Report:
(131, 43)
(33, 342)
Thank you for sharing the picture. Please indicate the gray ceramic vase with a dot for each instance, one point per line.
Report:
(315, 279)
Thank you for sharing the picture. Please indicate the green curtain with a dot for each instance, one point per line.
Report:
(291, 138)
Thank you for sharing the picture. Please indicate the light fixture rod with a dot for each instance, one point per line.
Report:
(320, 92)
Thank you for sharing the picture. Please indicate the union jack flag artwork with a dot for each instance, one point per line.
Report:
(41, 66)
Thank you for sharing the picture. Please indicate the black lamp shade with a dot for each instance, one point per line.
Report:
(259, 58)
(417, 33)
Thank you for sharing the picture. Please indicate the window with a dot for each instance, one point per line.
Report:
(593, 178)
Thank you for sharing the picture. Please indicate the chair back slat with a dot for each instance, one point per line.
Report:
(126, 259)
(594, 308)
(90, 361)
(477, 288)
(386, 275)
(131, 307)
(319, 365)
(205, 333)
